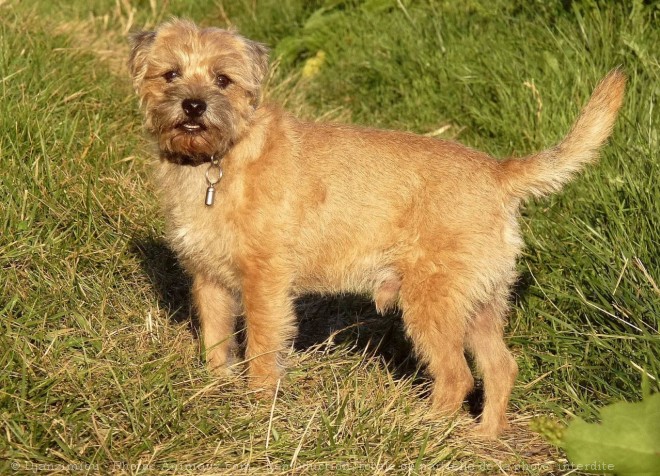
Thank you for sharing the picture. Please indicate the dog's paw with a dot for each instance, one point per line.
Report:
(489, 430)
(220, 364)
(264, 387)
(221, 371)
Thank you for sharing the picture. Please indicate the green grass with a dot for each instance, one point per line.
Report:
(100, 364)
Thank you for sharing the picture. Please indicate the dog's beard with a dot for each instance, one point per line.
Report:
(193, 141)
(192, 148)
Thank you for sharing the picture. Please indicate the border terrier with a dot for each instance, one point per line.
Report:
(261, 207)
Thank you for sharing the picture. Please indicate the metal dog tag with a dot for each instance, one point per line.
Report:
(210, 195)
(213, 176)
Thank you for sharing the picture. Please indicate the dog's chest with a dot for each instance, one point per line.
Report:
(202, 236)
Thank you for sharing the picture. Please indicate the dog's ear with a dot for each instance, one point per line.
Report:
(259, 55)
(137, 61)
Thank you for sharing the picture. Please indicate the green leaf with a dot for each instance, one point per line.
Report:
(627, 442)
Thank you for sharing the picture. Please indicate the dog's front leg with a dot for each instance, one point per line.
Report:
(270, 322)
(217, 308)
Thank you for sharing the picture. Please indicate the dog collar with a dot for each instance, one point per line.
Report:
(213, 176)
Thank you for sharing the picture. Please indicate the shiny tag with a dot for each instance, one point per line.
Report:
(210, 195)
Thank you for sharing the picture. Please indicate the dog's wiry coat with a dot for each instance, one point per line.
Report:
(425, 225)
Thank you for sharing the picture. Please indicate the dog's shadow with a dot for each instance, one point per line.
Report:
(170, 283)
(348, 320)
(342, 320)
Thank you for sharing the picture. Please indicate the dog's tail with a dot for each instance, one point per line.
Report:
(546, 172)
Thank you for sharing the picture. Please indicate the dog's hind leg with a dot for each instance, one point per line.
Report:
(495, 363)
(435, 319)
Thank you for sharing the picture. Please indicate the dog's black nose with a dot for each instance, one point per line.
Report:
(193, 107)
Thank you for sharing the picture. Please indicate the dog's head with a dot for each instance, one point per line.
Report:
(198, 87)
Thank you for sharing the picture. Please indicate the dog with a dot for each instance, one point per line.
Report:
(262, 207)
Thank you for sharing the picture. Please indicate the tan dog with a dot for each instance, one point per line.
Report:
(425, 225)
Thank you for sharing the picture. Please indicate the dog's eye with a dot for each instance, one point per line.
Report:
(222, 81)
(171, 76)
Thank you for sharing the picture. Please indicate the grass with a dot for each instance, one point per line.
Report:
(100, 362)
